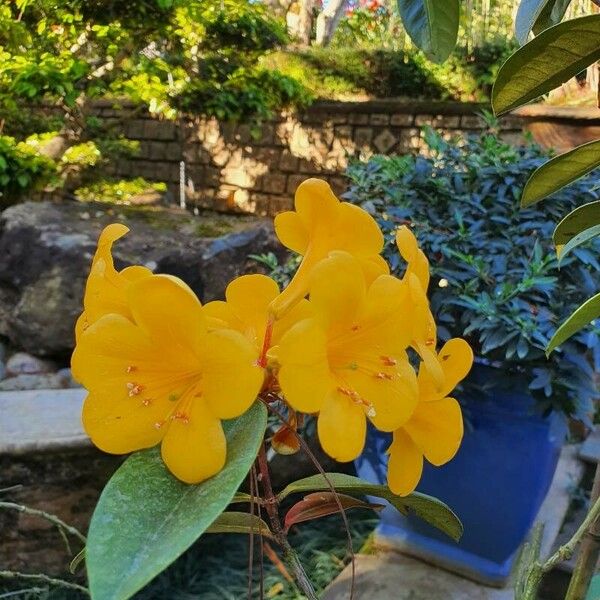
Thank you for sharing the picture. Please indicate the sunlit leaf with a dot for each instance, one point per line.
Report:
(561, 171)
(548, 60)
(321, 504)
(429, 509)
(579, 226)
(584, 315)
(432, 25)
(537, 15)
(146, 518)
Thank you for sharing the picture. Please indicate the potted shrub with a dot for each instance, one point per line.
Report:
(495, 280)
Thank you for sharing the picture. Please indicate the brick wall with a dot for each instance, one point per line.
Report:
(232, 166)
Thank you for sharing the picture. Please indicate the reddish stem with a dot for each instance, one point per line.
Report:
(262, 361)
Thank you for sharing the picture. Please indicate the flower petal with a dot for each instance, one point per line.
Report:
(357, 231)
(304, 374)
(405, 466)
(437, 429)
(337, 290)
(194, 447)
(456, 359)
(342, 427)
(413, 255)
(291, 231)
(231, 378)
(120, 425)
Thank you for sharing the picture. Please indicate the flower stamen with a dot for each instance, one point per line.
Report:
(134, 389)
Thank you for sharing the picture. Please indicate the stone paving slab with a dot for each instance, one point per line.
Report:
(389, 575)
(39, 420)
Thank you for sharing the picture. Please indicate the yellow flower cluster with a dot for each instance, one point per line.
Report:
(336, 342)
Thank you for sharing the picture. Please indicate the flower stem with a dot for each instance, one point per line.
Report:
(289, 554)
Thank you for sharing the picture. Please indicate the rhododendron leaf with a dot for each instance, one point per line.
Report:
(579, 226)
(146, 518)
(240, 522)
(431, 510)
(321, 504)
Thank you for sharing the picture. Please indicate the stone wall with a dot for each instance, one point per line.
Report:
(235, 167)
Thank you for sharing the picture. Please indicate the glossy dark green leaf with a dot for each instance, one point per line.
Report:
(432, 25)
(561, 171)
(146, 518)
(548, 60)
(575, 223)
(240, 522)
(584, 315)
(552, 14)
(537, 15)
(429, 509)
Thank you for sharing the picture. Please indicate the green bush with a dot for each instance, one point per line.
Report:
(118, 191)
(494, 269)
(21, 169)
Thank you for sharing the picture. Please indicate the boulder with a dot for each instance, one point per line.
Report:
(47, 247)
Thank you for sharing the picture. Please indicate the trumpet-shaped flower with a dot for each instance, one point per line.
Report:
(156, 374)
(246, 310)
(435, 430)
(416, 276)
(349, 362)
(106, 287)
(322, 224)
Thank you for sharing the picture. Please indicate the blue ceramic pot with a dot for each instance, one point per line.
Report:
(495, 484)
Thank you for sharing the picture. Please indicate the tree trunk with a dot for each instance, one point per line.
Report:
(300, 24)
(328, 20)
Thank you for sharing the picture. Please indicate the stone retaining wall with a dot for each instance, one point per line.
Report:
(231, 166)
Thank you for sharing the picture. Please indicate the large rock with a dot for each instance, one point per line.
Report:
(46, 249)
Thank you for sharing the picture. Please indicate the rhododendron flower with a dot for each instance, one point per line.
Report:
(435, 429)
(246, 310)
(155, 373)
(105, 290)
(319, 225)
(416, 277)
(349, 361)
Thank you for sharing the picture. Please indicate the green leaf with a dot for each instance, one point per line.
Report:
(577, 227)
(583, 315)
(553, 13)
(594, 591)
(240, 522)
(561, 171)
(548, 60)
(432, 25)
(429, 509)
(537, 15)
(146, 518)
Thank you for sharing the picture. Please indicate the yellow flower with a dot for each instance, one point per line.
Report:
(105, 290)
(159, 375)
(424, 334)
(246, 310)
(349, 361)
(435, 430)
(319, 225)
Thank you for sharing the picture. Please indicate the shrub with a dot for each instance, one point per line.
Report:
(21, 168)
(494, 269)
(118, 192)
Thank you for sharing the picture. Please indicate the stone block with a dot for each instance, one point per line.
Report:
(237, 176)
(308, 166)
(363, 136)
(379, 119)
(288, 163)
(385, 141)
(471, 122)
(402, 119)
(134, 129)
(358, 119)
(158, 150)
(293, 182)
(274, 183)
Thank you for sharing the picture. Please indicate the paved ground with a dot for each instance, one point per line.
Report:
(389, 575)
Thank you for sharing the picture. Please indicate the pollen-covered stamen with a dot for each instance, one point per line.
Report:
(133, 389)
(388, 361)
(358, 399)
(180, 416)
(147, 401)
(131, 369)
(382, 375)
